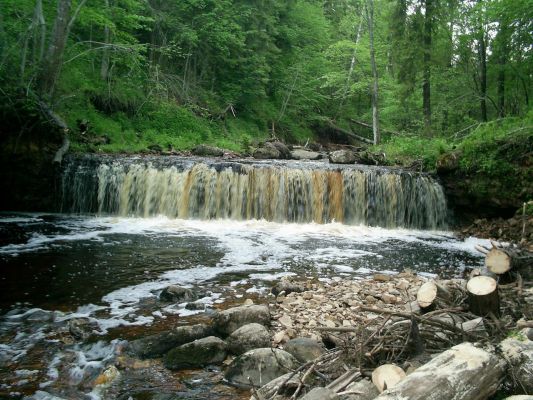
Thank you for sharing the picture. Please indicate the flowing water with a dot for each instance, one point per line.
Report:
(229, 229)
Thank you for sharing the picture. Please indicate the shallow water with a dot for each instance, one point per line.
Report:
(56, 267)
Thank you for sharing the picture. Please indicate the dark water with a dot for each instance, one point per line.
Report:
(110, 270)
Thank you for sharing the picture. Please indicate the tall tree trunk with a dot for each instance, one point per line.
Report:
(375, 112)
(40, 33)
(53, 60)
(426, 85)
(352, 64)
(104, 67)
(503, 53)
(483, 74)
(58, 40)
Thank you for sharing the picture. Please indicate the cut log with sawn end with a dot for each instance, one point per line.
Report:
(483, 297)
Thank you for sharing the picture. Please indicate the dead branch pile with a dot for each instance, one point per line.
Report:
(399, 327)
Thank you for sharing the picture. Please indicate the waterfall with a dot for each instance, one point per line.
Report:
(284, 192)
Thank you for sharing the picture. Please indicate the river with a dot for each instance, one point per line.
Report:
(110, 268)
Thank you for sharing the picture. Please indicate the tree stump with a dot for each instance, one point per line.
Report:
(483, 296)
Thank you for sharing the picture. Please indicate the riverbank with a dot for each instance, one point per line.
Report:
(340, 339)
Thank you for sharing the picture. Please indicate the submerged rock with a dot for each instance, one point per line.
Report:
(304, 349)
(228, 321)
(195, 306)
(81, 328)
(201, 352)
(158, 344)
(248, 337)
(342, 157)
(177, 294)
(259, 366)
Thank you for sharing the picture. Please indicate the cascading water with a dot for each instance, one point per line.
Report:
(242, 190)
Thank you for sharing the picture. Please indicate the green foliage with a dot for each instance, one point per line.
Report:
(405, 150)
(495, 148)
(225, 72)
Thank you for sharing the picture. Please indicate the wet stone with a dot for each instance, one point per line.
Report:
(259, 366)
(304, 349)
(158, 344)
(228, 321)
(248, 337)
(201, 352)
(177, 294)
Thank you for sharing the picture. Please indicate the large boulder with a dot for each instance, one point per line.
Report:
(342, 157)
(304, 349)
(259, 366)
(177, 294)
(300, 154)
(248, 337)
(201, 352)
(266, 152)
(203, 150)
(158, 344)
(272, 150)
(228, 321)
(284, 151)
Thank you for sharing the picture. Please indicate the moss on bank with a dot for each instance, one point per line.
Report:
(490, 166)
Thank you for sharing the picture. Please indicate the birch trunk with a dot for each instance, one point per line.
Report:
(375, 111)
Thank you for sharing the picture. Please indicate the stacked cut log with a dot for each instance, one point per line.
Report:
(431, 293)
(506, 261)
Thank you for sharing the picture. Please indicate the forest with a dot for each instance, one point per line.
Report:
(423, 77)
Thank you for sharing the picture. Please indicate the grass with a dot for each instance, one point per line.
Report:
(167, 125)
(404, 150)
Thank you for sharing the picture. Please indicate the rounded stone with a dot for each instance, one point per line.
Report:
(248, 337)
(304, 349)
(201, 352)
(259, 366)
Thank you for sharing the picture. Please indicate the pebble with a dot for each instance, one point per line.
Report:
(338, 303)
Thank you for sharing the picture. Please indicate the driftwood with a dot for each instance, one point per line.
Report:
(475, 373)
(483, 296)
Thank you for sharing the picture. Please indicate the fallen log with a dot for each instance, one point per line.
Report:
(349, 133)
(462, 373)
(519, 356)
(430, 293)
(483, 297)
